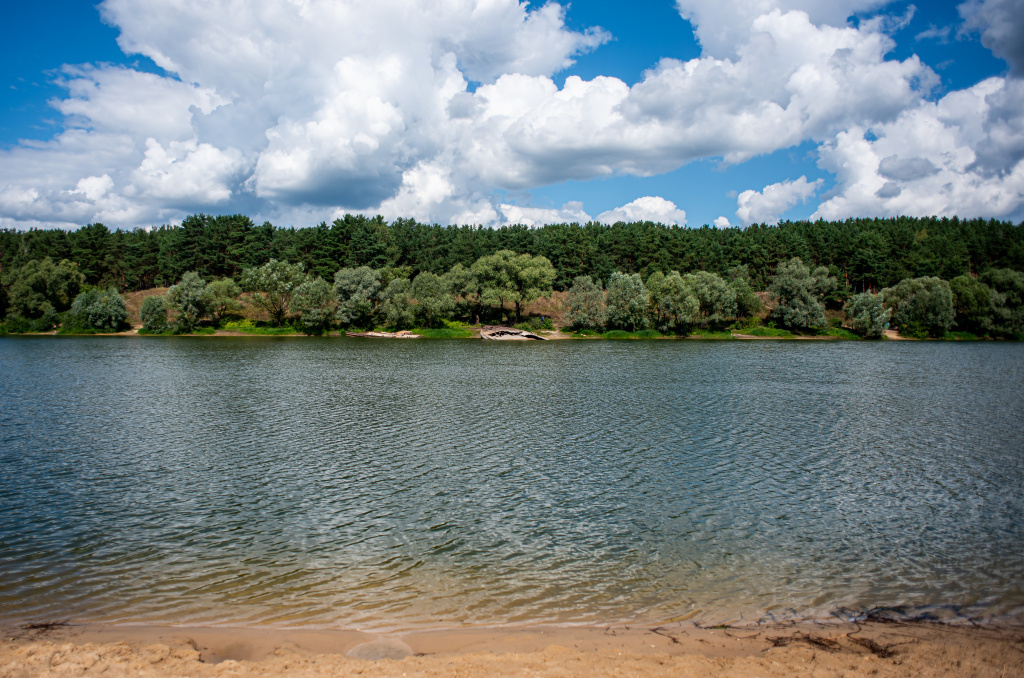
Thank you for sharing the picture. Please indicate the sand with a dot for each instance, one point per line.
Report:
(682, 649)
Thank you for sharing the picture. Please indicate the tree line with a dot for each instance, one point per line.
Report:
(45, 295)
(862, 254)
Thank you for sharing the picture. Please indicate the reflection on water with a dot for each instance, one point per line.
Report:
(380, 484)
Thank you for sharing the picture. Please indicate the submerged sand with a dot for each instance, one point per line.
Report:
(683, 649)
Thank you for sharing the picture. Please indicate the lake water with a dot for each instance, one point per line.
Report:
(402, 484)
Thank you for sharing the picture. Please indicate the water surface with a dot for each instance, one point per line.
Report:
(385, 484)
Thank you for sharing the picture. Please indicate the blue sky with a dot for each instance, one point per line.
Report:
(538, 113)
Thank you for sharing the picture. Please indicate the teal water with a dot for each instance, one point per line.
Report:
(401, 484)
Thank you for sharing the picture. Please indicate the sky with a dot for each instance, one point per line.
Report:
(137, 113)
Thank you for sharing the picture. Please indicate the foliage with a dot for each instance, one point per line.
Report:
(769, 332)
(799, 292)
(867, 314)
(584, 305)
(433, 297)
(272, 286)
(717, 300)
(358, 291)
(99, 310)
(972, 304)
(396, 307)
(314, 300)
(188, 301)
(41, 287)
(154, 314)
(509, 278)
(921, 307)
(640, 334)
(674, 302)
(747, 301)
(627, 302)
(1007, 300)
(221, 299)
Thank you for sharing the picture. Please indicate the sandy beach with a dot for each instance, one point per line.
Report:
(874, 648)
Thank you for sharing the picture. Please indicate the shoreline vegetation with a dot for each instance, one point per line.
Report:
(861, 279)
(880, 647)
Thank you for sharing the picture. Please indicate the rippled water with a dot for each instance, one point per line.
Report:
(381, 484)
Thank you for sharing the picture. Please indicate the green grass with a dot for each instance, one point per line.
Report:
(842, 333)
(444, 332)
(247, 326)
(961, 336)
(642, 334)
(712, 334)
(768, 332)
(586, 333)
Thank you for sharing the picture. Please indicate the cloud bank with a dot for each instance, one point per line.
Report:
(309, 109)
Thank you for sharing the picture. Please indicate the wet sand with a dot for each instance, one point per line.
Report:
(681, 649)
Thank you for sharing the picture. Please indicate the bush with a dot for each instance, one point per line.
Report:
(98, 310)
(314, 300)
(154, 314)
(627, 301)
(867, 315)
(584, 305)
(921, 307)
(800, 292)
(188, 299)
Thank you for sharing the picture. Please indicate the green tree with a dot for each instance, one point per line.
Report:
(627, 301)
(433, 295)
(154, 313)
(41, 287)
(188, 301)
(101, 310)
(584, 305)
(677, 306)
(396, 306)
(505, 277)
(717, 299)
(867, 314)
(222, 299)
(972, 304)
(314, 300)
(358, 294)
(1007, 299)
(747, 301)
(799, 292)
(921, 307)
(272, 286)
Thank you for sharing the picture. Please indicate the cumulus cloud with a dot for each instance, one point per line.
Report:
(722, 222)
(647, 208)
(1001, 25)
(767, 205)
(429, 106)
(571, 212)
(962, 155)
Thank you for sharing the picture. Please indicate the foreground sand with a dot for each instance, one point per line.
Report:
(869, 649)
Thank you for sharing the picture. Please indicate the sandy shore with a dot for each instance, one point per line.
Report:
(684, 649)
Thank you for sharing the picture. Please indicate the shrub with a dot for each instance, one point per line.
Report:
(272, 286)
(100, 310)
(627, 301)
(867, 315)
(314, 300)
(921, 307)
(358, 291)
(584, 305)
(188, 300)
(154, 314)
(800, 292)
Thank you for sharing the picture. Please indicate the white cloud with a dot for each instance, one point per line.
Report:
(962, 155)
(571, 212)
(647, 208)
(767, 205)
(1001, 24)
(722, 222)
(285, 106)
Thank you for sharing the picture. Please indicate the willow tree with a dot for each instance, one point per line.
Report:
(506, 277)
(272, 285)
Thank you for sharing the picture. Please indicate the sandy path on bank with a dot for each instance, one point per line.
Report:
(875, 649)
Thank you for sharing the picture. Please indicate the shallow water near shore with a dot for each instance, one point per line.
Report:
(377, 484)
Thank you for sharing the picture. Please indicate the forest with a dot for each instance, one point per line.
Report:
(861, 267)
